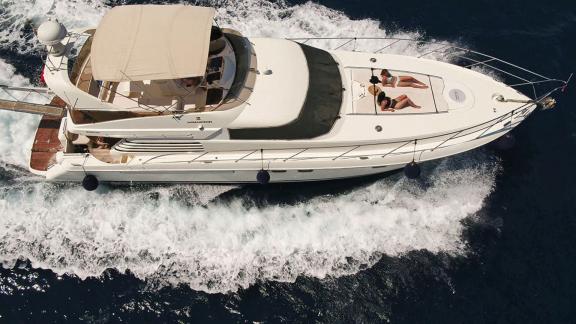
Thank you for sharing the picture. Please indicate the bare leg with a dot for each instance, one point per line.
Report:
(401, 104)
(408, 81)
(419, 86)
(406, 102)
(412, 104)
(412, 85)
(411, 79)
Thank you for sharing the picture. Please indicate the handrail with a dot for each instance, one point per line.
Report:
(297, 153)
(350, 150)
(397, 148)
(447, 53)
(411, 153)
(485, 126)
(45, 93)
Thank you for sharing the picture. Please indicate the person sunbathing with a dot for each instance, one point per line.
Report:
(388, 80)
(400, 102)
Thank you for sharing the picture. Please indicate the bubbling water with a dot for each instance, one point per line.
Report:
(225, 245)
(18, 18)
(16, 130)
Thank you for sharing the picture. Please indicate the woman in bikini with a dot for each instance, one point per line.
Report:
(391, 105)
(401, 81)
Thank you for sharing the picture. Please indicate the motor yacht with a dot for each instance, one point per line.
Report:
(160, 93)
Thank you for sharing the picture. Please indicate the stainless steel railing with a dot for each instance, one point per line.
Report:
(532, 84)
(393, 148)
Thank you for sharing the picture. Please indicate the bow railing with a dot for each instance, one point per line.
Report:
(532, 84)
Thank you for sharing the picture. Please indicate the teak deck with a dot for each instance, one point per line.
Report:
(46, 142)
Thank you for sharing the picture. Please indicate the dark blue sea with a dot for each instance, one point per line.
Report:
(484, 237)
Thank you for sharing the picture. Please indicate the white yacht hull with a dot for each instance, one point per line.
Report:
(225, 176)
(73, 168)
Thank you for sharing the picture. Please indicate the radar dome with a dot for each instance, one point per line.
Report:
(51, 33)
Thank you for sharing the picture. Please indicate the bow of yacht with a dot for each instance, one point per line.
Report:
(159, 94)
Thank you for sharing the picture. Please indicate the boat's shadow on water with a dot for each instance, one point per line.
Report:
(255, 195)
(11, 174)
(293, 193)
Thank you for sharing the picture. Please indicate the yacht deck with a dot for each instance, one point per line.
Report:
(46, 142)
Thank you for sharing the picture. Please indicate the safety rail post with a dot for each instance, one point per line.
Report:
(339, 156)
(446, 140)
(244, 156)
(490, 126)
(479, 63)
(292, 156)
(346, 43)
(396, 149)
(387, 46)
(433, 51)
(199, 156)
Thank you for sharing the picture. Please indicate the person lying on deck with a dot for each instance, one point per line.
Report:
(391, 105)
(388, 80)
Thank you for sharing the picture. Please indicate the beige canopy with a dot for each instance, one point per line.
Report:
(152, 42)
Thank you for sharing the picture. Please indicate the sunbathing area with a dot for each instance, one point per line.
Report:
(396, 92)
